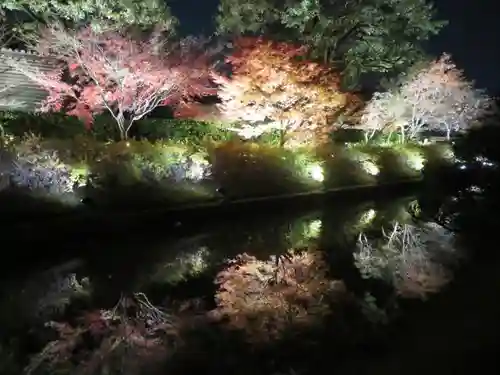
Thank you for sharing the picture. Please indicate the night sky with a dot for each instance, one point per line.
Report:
(472, 36)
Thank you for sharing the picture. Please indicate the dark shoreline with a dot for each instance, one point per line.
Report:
(117, 220)
(50, 239)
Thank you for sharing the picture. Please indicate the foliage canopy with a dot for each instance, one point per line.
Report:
(100, 15)
(358, 36)
(272, 88)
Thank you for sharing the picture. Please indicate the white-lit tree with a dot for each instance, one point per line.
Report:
(435, 97)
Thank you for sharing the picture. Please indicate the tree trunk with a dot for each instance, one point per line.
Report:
(124, 127)
(123, 134)
(389, 137)
(282, 138)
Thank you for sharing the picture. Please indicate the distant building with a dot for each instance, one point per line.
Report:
(18, 92)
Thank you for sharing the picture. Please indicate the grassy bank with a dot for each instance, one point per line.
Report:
(61, 174)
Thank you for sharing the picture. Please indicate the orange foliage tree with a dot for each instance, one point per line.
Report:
(272, 88)
(263, 298)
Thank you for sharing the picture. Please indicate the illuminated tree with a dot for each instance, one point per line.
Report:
(436, 97)
(356, 36)
(272, 89)
(385, 112)
(263, 298)
(115, 73)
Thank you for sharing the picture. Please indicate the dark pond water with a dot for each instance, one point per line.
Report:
(263, 295)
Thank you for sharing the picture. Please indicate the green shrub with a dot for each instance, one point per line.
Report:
(438, 153)
(246, 169)
(58, 125)
(348, 136)
(400, 162)
(345, 166)
(271, 138)
(81, 149)
(47, 125)
(183, 131)
(104, 128)
(36, 169)
(141, 174)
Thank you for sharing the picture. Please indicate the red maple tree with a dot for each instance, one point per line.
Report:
(113, 72)
(273, 88)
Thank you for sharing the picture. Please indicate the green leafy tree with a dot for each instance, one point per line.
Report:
(28, 15)
(359, 36)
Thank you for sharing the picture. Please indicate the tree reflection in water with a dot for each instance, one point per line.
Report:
(265, 298)
(265, 282)
(416, 259)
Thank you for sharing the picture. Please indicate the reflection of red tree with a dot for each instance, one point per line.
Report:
(103, 339)
(95, 323)
(264, 297)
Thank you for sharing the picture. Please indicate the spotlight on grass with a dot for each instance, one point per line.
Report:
(367, 217)
(314, 228)
(416, 161)
(316, 172)
(370, 168)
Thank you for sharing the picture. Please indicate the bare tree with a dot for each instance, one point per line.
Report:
(435, 97)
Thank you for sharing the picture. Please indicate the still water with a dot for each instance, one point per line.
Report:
(357, 266)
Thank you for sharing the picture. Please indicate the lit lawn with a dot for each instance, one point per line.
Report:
(141, 174)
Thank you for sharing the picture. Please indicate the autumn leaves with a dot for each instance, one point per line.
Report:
(273, 88)
(264, 298)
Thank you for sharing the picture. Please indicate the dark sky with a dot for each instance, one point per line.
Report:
(472, 36)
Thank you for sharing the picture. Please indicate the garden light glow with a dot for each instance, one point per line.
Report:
(315, 171)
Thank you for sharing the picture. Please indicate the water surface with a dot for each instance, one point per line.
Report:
(345, 269)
